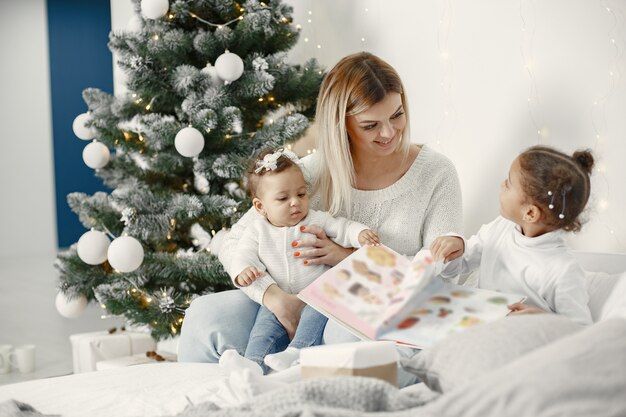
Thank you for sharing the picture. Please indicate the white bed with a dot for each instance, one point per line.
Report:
(143, 390)
(167, 388)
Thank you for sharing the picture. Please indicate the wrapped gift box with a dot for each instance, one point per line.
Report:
(90, 348)
(138, 359)
(369, 359)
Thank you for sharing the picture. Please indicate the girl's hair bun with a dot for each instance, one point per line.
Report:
(584, 159)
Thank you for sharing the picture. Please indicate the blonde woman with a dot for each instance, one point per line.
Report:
(365, 169)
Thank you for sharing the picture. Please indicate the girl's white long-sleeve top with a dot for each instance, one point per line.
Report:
(407, 215)
(268, 248)
(542, 268)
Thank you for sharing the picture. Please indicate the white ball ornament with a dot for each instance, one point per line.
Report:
(154, 9)
(78, 126)
(201, 184)
(189, 142)
(92, 247)
(216, 242)
(96, 155)
(125, 254)
(211, 72)
(135, 24)
(229, 66)
(70, 308)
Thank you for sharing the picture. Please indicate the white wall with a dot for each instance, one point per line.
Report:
(464, 67)
(27, 208)
(483, 86)
(121, 13)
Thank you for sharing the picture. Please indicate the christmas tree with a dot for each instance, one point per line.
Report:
(208, 86)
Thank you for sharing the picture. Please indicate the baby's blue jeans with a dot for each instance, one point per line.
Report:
(217, 322)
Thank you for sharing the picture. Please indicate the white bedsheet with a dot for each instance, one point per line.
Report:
(141, 390)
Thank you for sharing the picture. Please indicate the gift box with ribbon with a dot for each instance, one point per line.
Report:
(90, 348)
(369, 359)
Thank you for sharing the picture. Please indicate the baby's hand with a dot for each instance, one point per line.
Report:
(521, 308)
(369, 237)
(248, 276)
(447, 248)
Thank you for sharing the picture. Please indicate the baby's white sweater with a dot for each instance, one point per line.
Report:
(541, 268)
(268, 248)
(423, 204)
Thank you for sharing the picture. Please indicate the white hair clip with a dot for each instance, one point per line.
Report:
(269, 161)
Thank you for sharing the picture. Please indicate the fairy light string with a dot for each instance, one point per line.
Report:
(448, 118)
(600, 126)
(526, 48)
(597, 110)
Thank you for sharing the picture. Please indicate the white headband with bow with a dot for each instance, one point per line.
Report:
(269, 161)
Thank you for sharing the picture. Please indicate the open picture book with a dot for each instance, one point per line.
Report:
(378, 294)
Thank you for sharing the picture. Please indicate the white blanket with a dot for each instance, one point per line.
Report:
(143, 390)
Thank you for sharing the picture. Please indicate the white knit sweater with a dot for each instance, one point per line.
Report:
(268, 248)
(423, 204)
(541, 267)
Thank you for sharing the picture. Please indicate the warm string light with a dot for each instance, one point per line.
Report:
(597, 110)
(448, 118)
(141, 297)
(600, 128)
(599, 104)
(219, 25)
(310, 32)
(368, 15)
(149, 105)
(533, 100)
(239, 135)
(241, 9)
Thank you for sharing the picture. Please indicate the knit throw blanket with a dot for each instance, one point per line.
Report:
(324, 397)
(336, 396)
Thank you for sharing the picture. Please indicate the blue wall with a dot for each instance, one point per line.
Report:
(79, 58)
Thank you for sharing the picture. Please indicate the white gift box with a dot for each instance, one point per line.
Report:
(369, 359)
(90, 348)
(138, 359)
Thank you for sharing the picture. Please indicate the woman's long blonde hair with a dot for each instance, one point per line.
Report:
(355, 84)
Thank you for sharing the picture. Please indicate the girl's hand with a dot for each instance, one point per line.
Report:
(248, 276)
(447, 248)
(286, 307)
(369, 237)
(521, 308)
(319, 249)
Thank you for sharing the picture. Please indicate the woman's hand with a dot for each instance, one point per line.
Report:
(319, 249)
(286, 307)
(521, 308)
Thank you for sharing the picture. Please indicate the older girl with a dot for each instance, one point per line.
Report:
(523, 250)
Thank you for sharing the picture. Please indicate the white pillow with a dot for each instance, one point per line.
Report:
(615, 305)
(607, 294)
(581, 375)
(470, 354)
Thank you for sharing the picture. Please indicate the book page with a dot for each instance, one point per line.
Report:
(443, 309)
(361, 289)
(418, 275)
